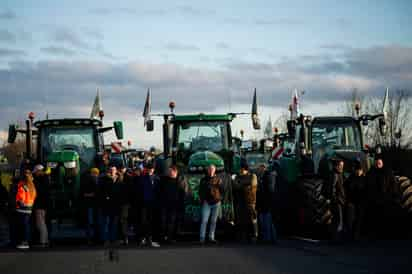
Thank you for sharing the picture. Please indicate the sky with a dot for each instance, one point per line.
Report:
(207, 56)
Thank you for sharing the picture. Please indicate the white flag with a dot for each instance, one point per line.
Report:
(97, 107)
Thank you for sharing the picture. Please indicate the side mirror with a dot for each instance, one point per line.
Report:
(12, 134)
(118, 129)
(382, 126)
(149, 125)
(291, 128)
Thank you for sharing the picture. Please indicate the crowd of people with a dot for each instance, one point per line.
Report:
(115, 199)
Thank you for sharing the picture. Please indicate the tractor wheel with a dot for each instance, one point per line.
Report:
(319, 208)
(405, 188)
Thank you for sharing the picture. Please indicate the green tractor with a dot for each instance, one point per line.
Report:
(69, 147)
(305, 168)
(192, 143)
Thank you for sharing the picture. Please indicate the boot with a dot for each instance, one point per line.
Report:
(255, 232)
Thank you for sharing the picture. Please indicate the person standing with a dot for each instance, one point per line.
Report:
(265, 205)
(25, 196)
(335, 192)
(150, 192)
(355, 187)
(380, 184)
(246, 186)
(41, 204)
(110, 195)
(172, 194)
(126, 181)
(88, 190)
(210, 195)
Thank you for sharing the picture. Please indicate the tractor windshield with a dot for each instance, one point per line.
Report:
(79, 139)
(201, 135)
(332, 136)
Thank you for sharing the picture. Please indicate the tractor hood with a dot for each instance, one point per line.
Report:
(63, 157)
(199, 161)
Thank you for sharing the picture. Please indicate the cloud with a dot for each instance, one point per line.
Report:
(7, 15)
(4, 52)
(181, 47)
(280, 21)
(58, 51)
(190, 10)
(7, 36)
(68, 88)
(68, 36)
(109, 11)
(222, 45)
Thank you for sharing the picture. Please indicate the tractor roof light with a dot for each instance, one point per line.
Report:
(101, 114)
(31, 115)
(172, 106)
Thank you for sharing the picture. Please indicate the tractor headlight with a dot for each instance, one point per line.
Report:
(71, 164)
(52, 164)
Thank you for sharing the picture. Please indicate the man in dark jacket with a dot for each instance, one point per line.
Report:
(41, 204)
(150, 200)
(265, 204)
(380, 188)
(88, 192)
(210, 195)
(355, 190)
(245, 186)
(110, 201)
(173, 190)
(335, 192)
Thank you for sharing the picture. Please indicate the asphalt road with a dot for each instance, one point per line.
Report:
(289, 256)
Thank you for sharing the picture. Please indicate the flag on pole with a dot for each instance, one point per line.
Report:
(147, 107)
(385, 106)
(97, 107)
(295, 105)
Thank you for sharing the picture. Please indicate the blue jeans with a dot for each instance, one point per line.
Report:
(25, 230)
(207, 211)
(267, 228)
(108, 228)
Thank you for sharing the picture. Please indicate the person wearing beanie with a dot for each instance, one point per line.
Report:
(245, 187)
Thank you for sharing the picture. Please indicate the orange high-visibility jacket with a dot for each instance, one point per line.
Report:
(24, 198)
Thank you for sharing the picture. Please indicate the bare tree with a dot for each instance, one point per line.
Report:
(280, 122)
(399, 124)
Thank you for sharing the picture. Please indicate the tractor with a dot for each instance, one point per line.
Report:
(69, 147)
(192, 143)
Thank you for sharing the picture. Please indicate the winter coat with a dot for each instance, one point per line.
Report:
(355, 189)
(42, 184)
(25, 197)
(89, 185)
(150, 190)
(245, 187)
(172, 192)
(266, 192)
(211, 190)
(109, 196)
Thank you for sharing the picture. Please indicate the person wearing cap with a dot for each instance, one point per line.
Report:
(355, 187)
(88, 194)
(150, 203)
(41, 204)
(25, 195)
(245, 186)
(210, 195)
